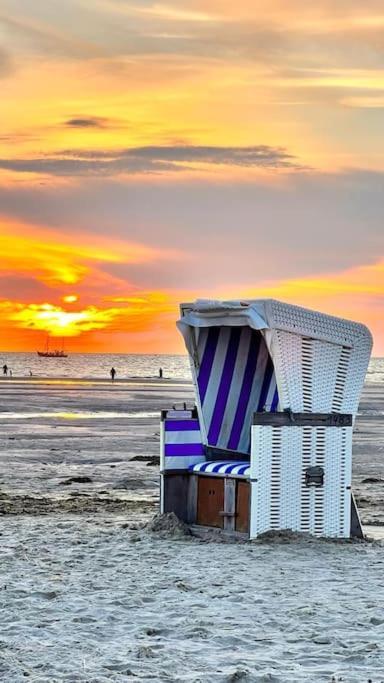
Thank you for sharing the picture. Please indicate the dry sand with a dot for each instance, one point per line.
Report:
(93, 597)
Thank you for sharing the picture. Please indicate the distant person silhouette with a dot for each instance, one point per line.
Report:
(113, 373)
(5, 369)
(160, 372)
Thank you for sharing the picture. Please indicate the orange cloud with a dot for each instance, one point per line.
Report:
(145, 321)
(362, 281)
(355, 294)
(58, 259)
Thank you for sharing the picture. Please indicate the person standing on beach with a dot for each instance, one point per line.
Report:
(112, 373)
(5, 369)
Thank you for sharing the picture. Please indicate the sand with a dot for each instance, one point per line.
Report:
(89, 593)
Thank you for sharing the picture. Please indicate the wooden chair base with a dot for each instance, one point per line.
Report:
(210, 501)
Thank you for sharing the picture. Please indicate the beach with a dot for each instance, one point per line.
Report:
(90, 594)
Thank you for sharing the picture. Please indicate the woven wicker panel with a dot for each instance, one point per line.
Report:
(281, 498)
(325, 364)
(337, 494)
(286, 352)
(354, 377)
(315, 375)
(313, 324)
(341, 379)
(320, 361)
(261, 491)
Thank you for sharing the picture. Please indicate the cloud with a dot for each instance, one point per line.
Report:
(152, 159)
(364, 102)
(288, 225)
(39, 33)
(257, 156)
(204, 33)
(19, 138)
(86, 122)
(130, 315)
(242, 59)
(166, 12)
(56, 260)
(86, 167)
(356, 294)
(57, 321)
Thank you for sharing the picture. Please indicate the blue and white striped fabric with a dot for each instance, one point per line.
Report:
(182, 443)
(234, 468)
(236, 378)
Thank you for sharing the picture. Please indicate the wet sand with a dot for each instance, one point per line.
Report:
(52, 432)
(88, 595)
(55, 432)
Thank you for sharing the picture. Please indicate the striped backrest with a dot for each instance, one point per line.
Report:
(235, 379)
(181, 444)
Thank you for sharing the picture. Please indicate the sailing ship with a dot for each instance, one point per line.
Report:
(56, 353)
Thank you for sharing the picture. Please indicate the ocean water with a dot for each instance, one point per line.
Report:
(97, 365)
(128, 366)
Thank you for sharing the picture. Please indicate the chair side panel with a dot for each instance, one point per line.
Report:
(181, 444)
(281, 496)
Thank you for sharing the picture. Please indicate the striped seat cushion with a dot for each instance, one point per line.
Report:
(228, 467)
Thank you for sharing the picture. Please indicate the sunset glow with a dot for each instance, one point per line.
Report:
(157, 152)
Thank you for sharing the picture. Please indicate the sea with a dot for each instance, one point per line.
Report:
(97, 365)
(127, 366)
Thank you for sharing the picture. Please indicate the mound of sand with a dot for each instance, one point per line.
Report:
(167, 525)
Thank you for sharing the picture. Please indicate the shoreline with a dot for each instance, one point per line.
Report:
(36, 379)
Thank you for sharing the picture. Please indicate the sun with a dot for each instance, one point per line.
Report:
(70, 298)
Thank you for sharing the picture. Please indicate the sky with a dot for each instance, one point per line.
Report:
(153, 153)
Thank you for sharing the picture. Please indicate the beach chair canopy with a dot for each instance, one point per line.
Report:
(265, 355)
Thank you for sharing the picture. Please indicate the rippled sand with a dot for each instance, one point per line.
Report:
(92, 597)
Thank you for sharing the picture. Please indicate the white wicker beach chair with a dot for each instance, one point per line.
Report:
(269, 444)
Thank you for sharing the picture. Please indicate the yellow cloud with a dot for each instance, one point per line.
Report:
(367, 280)
(169, 12)
(60, 323)
(137, 314)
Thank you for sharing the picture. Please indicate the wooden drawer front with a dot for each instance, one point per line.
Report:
(242, 507)
(210, 501)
